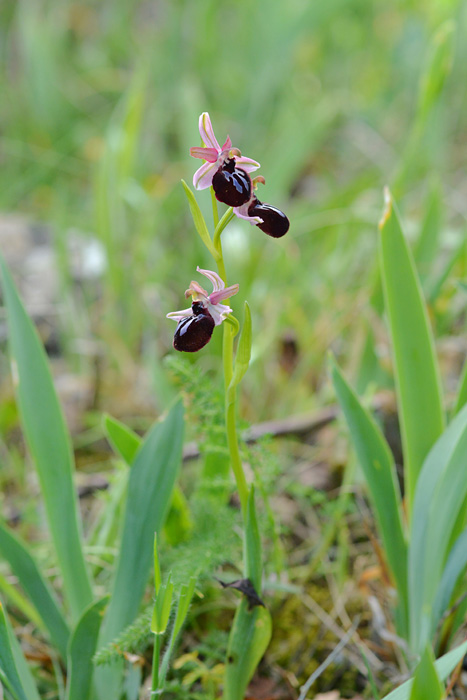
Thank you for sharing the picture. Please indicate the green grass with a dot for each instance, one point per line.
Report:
(100, 105)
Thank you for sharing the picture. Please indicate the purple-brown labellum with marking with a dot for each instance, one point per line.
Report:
(275, 223)
(232, 185)
(194, 332)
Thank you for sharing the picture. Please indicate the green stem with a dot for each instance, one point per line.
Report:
(155, 664)
(215, 210)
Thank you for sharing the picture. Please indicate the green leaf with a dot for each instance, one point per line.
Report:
(252, 557)
(242, 358)
(440, 495)
(50, 445)
(379, 469)
(7, 661)
(13, 664)
(124, 441)
(248, 640)
(199, 221)
(462, 390)
(427, 246)
(162, 607)
(150, 487)
(35, 586)
(438, 69)
(426, 683)
(416, 370)
(186, 595)
(443, 666)
(82, 647)
(455, 565)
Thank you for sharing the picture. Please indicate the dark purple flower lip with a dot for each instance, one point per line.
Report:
(194, 332)
(232, 185)
(274, 222)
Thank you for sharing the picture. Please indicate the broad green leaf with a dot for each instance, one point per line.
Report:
(13, 664)
(443, 666)
(426, 684)
(82, 647)
(416, 370)
(35, 586)
(124, 441)
(242, 358)
(150, 487)
(252, 548)
(199, 221)
(440, 494)
(248, 640)
(379, 469)
(50, 445)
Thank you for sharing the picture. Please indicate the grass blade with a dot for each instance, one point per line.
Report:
(252, 629)
(123, 440)
(248, 640)
(36, 587)
(443, 666)
(151, 482)
(426, 683)
(82, 647)
(439, 497)
(50, 445)
(416, 369)
(13, 664)
(379, 469)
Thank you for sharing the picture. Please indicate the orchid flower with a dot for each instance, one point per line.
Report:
(220, 159)
(196, 324)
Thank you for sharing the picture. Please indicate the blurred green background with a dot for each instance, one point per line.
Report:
(100, 105)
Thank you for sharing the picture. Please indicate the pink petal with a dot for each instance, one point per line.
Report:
(207, 133)
(222, 294)
(227, 145)
(209, 154)
(203, 176)
(247, 164)
(216, 281)
(196, 289)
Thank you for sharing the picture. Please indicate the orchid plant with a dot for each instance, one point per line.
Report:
(227, 172)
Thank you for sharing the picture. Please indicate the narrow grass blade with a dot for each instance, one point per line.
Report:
(462, 390)
(426, 683)
(248, 640)
(150, 487)
(49, 442)
(443, 666)
(440, 495)
(199, 221)
(415, 365)
(242, 358)
(7, 661)
(123, 440)
(252, 628)
(379, 469)
(428, 242)
(36, 587)
(252, 553)
(82, 647)
(13, 664)
(455, 565)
